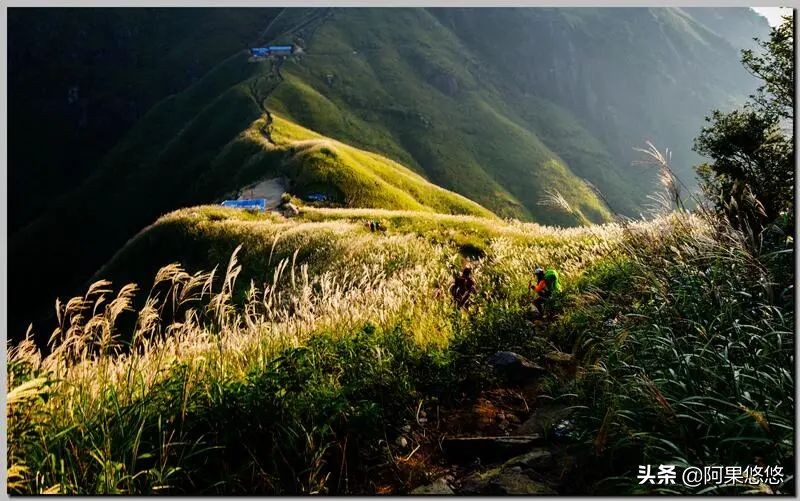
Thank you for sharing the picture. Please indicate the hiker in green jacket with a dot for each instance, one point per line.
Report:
(546, 283)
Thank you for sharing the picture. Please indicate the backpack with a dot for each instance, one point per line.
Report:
(552, 281)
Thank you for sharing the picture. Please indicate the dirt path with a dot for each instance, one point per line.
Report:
(262, 87)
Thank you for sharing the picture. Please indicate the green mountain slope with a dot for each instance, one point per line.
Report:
(416, 94)
(627, 74)
(212, 155)
(586, 85)
(348, 176)
(496, 105)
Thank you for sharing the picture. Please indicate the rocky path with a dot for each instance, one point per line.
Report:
(505, 440)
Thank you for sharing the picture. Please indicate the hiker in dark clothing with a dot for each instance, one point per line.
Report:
(376, 225)
(463, 287)
(541, 290)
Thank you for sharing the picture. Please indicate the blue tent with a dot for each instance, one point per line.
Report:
(254, 204)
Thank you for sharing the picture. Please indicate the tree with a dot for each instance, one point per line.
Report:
(775, 67)
(751, 177)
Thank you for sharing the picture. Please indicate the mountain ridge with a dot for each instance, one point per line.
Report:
(413, 86)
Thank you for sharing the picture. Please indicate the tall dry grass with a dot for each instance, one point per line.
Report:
(155, 398)
(686, 342)
(94, 360)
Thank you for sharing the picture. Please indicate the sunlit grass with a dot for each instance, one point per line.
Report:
(235, 381)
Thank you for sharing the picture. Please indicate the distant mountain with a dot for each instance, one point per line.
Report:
(497, 105)
(625, 74)
(736, 26)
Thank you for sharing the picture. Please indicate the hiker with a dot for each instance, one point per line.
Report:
(463, 287)
(290, 210)
(375, 225)
(546, 284)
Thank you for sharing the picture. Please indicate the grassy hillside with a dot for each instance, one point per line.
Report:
(204, 163)
(299, 363)
(326, 278)
(473, 101)
(349, 176)
(204, 237)
(418, 95)
(79, 94)
(229, 352)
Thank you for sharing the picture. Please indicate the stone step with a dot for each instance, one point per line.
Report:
(488, 449)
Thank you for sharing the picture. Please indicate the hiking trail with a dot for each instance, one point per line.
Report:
(262, 87)
(506, 439)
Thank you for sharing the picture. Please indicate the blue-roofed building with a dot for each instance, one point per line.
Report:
(272, 51)
(281, 50)
(259, 204)
(259, 52)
